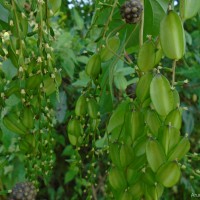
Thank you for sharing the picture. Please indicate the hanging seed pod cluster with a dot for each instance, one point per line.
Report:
(26, 50)
(146, 146)
(86, 113)
(83, 126)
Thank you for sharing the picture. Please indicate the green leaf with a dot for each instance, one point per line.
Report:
(106, 104)
(55, 5)
(154, 12)
(189, 72)
(78, 20)
(9, 69)
(68, 151)
(83, 80)
(12, 100)
(61, 107)
(70, 175)
(188, 119)
(100, 143)
(188, 38)
(126, 71)
(3, 14)
(82, 59)
(68, 66)
(120, 82)
(114, 64)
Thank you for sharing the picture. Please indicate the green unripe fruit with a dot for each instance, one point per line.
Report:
(179, 151)
(108, 51)
(172, 36)
(92, 108)
(134, 124)
(161, 95)
(143, 87)
(81, 106)
(155, 154)
(168, 174)
(74, 128)
(93, 66)
(147, 56)
(117, 179)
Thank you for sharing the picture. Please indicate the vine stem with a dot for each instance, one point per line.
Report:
(182, 8)
(109, 18)
(4, 192)
(173, 72)
(141, 26)
(118, 57)
(18, 33)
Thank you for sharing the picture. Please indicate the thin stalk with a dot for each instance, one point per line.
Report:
(18, 32)
(40, 28)
(173, 72)
(142, 26)
(182, 8)
(110, 18)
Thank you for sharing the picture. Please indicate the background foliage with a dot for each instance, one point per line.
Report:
(80, 29)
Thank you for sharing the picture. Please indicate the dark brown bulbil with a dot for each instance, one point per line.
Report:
(131, 11)
(23, 191)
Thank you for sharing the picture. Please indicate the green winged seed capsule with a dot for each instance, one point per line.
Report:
(74, 128)
(147, 56)
(143, 87)
(140, 146)
(74, 140)
(174, 119)
(110, 49)
(176, 98)
(189, 8)
(168, 137)
(172, 36)
(28, 118)
(114, 151)
(51, 84)
(168, 174)
(92, 108)
(33, 82)
(159, 53)
(14, 89)
(93, 66)
(138, 162)
(153, 192)
(126, 196)
(81, 106)
(153, 121)
(126, 155)
(146, 103)
(155, 154)
(132, 175)
(117, 179)
(148, 176)
(11, 121)
(161, 95)
(94, 123)
(136, 190)
(134, 124)
(28, 144)
(179, 151)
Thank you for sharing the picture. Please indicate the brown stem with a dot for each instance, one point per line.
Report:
(94, 193)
